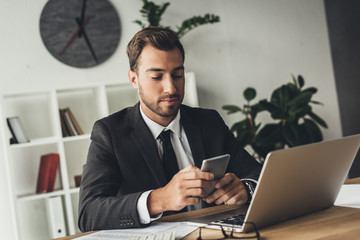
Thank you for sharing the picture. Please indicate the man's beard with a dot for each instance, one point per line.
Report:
(169, 111)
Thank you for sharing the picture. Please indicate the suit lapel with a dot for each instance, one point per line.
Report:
(193, 134)
(145, 142)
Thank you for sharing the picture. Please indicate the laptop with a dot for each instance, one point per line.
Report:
(293, 182)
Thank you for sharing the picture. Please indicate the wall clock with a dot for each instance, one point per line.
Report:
(80, 33)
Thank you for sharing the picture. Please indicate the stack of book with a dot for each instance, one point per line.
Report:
(69, 124)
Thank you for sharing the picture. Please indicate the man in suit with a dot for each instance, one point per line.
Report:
(126, 180)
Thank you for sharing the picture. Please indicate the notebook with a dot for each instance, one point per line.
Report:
(293, 182)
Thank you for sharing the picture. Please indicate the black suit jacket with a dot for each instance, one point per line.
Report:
(123, 162)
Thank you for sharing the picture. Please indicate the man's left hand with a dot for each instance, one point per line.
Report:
(229, 190)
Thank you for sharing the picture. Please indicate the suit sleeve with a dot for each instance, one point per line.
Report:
(101, 206)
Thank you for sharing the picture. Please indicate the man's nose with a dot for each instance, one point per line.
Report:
(169, 86)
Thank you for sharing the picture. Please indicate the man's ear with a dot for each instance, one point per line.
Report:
(133, 78)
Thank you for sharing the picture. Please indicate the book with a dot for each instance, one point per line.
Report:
(55, 216)
(64, 130)
(47, 172)
(69, 125)
(75, 122)
(77, 179)
(17, 130)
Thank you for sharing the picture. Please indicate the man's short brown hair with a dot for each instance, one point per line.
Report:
(160, 38)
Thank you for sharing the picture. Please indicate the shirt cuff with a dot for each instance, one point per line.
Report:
(249, 179)
(143, 210)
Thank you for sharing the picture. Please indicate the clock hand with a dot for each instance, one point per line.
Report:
(87, 40)
(73, 36)
(82, 16)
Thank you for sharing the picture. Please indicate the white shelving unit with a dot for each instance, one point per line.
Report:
(39, 114)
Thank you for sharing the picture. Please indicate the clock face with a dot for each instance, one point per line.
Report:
(80, 33)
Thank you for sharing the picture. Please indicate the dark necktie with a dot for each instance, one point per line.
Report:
(169, 158)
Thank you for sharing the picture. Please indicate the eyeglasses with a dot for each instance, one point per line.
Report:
(232, 234)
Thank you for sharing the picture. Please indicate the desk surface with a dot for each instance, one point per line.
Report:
(332, 223)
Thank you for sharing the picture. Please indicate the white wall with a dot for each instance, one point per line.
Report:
(257, 43)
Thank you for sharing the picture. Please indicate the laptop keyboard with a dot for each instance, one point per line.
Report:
(237, 220)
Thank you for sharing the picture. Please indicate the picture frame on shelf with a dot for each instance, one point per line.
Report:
(17, 130)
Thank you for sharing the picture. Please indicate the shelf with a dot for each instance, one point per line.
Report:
(76, 138)
(74, 190)
(30, 197)
(39, 114)
(36, 142)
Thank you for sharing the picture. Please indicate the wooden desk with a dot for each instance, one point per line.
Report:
(332, 223)
(353, 181)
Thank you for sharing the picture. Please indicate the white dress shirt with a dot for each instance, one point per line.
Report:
(182, 152)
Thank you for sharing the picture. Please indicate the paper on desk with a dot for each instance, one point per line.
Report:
(181, 229)
(349, 196)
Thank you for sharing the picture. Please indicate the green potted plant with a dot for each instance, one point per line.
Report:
(290, 107)
(152, 13)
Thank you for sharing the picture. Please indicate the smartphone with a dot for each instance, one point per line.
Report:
(217, 166)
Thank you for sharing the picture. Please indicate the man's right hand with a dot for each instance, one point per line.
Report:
(184, 189)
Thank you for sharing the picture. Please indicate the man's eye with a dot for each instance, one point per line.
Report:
(156, 77)
(177, 76)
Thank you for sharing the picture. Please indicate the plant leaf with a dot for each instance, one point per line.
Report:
(231, 109)
(255, 109)
(139, 22)
(279, 114)
(269, 135)
(299, 111)
(249, 94)
(317, 102)
(311, 132)
(291, 134)
(243, 132)
(318, 119)
(311, 90)
(268, 106)
(301, 81)
(195, 21)
(293, 90)
(301, 99)
(163, 8)
(281, 96)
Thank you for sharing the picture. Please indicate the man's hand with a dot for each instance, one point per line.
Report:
(229, 190)
(184, 189)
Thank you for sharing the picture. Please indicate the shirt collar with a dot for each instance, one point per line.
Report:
(156, 128)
